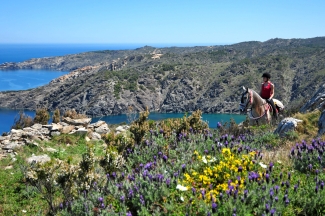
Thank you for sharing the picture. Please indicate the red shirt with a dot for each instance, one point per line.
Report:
(266, 91)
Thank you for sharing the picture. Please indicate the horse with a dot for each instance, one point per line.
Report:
(260, 110)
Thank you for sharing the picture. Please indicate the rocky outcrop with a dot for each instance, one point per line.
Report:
(321, 124)
(316, 102)
(15, 139)
(286, 125)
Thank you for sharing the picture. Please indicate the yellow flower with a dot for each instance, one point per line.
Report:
(226, 151)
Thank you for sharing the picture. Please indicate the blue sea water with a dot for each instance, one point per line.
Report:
(7, 117)
(26, 79)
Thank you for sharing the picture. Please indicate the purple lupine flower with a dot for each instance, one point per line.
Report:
(276, 188)
(271, 166)
(219, 125)
(267, 208)
(272, 212)
(287, 202)
(281, 175)
(193, 190)
(220, 196)
(206, 151)
(289, 175)
(61, 205)
(183, 167)
(161, 131)
(214, 207)
(130, 193)
(128, 214)
(102, 205)
(240, 169)
(100, 199)
(114, 175)
(142, 200)
(107, 176)
(271, 193)
(295, 188)
(276, 199)
(316, 189)
(322, 185)
(245, 193)
(287, 184)
(267, 178)
(168, 182)
(165, 158)
(310, 167)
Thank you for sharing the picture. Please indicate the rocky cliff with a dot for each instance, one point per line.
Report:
(174, 79)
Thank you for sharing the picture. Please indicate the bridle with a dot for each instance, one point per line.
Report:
(243, 106)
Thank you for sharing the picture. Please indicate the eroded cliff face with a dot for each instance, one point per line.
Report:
(174, 79)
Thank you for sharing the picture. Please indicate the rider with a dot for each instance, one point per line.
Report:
(267, 91)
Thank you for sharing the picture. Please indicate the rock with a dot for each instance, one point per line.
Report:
(8, 167)
(120, 129)
(67, 129)
(321, 124)
(98, 124)
(5, 142)
(76, 122)
(103, 129)
(95, 136)
(87, 139)
(286, 125)
(2, 138)
(81, 131)
(316, 102)
(37, 126)
(52, 150)
(55, 133)
(17, 133)
(56, 127)
(11, 146)
(39, 159)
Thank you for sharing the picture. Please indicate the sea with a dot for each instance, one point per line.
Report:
(27, 79)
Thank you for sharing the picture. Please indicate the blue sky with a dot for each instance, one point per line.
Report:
(154, 22)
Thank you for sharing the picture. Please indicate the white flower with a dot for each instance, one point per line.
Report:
(263, 165)
(24, 211)
(280, 162)
(182, 199)
(213, 159)
(204, 159)
(181, 188)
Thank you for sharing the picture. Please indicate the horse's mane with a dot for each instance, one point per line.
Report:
(256, 95)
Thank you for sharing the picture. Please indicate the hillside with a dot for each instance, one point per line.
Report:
(175, 79)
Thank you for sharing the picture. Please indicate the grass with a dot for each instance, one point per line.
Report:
(15, 194)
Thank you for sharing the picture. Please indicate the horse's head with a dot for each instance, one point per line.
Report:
(245, 101)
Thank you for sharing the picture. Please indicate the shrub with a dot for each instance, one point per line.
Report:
(42, 116)
(140, 127)
(74, 115)
(56, 116)
(22, 120)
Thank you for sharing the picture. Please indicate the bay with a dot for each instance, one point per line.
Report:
(7, 117)
(26, 79)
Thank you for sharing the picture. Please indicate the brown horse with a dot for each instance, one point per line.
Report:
(258, 110)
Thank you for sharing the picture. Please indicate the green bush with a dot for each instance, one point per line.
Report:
(42, 116)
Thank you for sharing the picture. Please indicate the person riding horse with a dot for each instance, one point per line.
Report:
(267, 92)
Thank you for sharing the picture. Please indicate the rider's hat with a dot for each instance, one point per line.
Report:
(266, 75)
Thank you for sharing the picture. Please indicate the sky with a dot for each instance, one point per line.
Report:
(158, 21)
